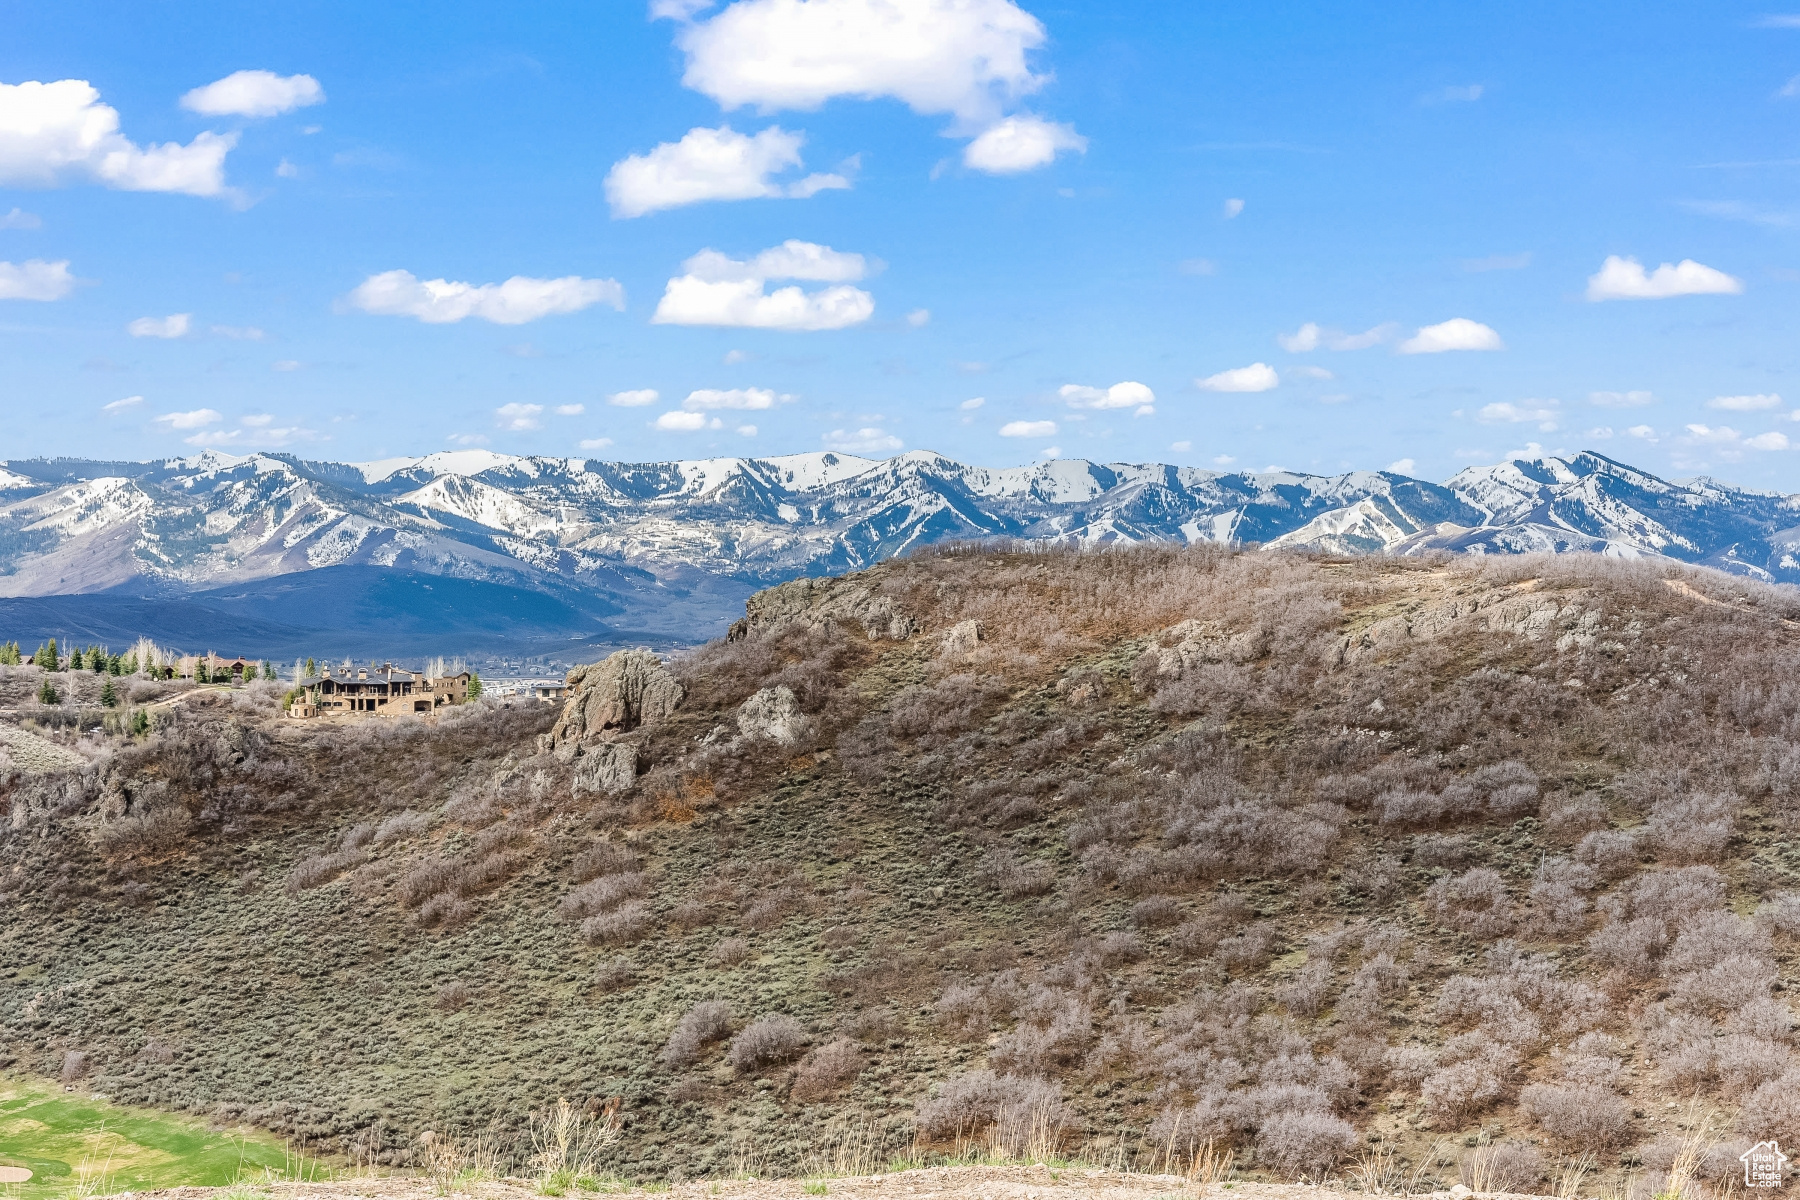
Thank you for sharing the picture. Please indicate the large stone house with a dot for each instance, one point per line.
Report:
(384, 691)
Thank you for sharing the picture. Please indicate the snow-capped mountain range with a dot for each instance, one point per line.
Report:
(674, 546)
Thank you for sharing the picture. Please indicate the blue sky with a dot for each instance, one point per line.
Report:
(1133, 231)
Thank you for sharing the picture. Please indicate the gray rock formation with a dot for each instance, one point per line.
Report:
(817, 602)
(772, 714)
(609, 699)
(962, 639)
(608, 767)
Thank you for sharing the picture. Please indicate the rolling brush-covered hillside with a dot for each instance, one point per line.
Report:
(1330, 864)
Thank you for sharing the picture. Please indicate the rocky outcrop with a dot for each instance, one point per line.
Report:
(608, 700)
(962, 640)
(772, 714)
(608, 767)
(819, 602)
(1192, 643)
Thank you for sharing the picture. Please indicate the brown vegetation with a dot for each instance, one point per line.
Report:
(1168, 849)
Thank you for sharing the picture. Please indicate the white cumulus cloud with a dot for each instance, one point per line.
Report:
(190, 420)
(18, 218)
(862, 441)
(518, 417)
(570, 410)
(1028, 429)
(35, 279)
(716, 289)
(1402, 466)
(1625, 279)
(1543, 412)
(1311, 336)
(1458, 333)
(518, 300)
(918, 318)
(1745, 403)
(962, 58)
(1021, 143)
(634, 398)
(1257, 377)
(687, 422)
(51, 132)
(118, 406)
(254, 94)
(1119, 395)
(712, 164)
(706, 399)
(174, 325)
(1773, 440)
(595, 443)
(973, 403)
(1233, 207)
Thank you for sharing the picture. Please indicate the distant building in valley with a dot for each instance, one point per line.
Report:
(217, 668)
(384, 691)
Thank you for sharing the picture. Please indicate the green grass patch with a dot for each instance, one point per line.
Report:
(77, 1145)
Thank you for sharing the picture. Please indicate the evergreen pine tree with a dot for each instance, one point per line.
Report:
(311, 668)
(98, 660)
(268, 670)
(474, 686)
(76, 662)
(140, 723)
(108, 697)
(201, 674)
(47, 694)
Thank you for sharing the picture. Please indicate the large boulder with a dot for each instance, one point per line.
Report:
(613, 697)
(608, 767)
(772, 714)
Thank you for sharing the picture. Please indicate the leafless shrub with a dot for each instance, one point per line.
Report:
(691, 913)
(604, 858)
(1305, 995)
(1693, 828)
(1632, 947)
(1434, 850)
(1156, 912)
(1012, 1112)
(964, 1010)
(620, 927)
(1509, 1166)
(74, 1066)
(451, 997)
(1409, 1066)
(615, 974)
(602, 895)
(1119, 947)
(1472, 1074)
(1247, 950)
(707, 1022)
(1014, 877)
(401, 826)
(1474, 902)
(1057, 1036)
(1586, 1118)
(729, 952)
(1744, 1063)
(1558, 905)
(1569, 817)
(154, 831)
(827, 1070)
(1611, 852)
(1305, 1145)
(446, 911)
(1782, 913)
(766, 1042)
(1773, 1110)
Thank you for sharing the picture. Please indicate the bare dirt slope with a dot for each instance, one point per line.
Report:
(1151, 848)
